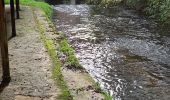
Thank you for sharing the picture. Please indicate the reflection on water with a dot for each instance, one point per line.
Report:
(120, 49)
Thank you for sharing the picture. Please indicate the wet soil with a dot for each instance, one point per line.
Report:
(126, 53)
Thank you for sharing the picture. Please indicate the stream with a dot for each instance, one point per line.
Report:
(127, 54)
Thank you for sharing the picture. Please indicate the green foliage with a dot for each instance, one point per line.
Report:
(72, 61)
(134, 3)
(106, 3)
(95, 2)
(40, 0)
(42, 5)
(159, 9)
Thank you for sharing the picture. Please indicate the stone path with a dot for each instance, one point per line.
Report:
(31, 68)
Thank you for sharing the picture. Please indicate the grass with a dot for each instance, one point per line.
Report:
(72, 61)
(42, 5)
(98, 89)
(107, 96)
(57, 74)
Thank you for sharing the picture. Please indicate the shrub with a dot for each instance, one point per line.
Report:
(158, 9)
(106, 3)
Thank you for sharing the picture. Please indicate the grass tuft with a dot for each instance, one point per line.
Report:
(98, 89)
(72, 61)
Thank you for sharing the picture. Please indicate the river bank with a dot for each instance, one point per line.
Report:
(34, 74)
(77, 82)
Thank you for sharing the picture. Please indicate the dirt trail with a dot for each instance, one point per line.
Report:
(31, 68)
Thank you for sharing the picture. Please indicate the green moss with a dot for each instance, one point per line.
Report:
(57, 74)
(42, 5)
(72, 61)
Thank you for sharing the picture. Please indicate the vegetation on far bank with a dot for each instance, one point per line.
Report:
(106, 3)
(157, 9)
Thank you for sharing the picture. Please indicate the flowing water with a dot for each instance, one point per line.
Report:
(122, 51)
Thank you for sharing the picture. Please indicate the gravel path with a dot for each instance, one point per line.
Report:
(31, 68)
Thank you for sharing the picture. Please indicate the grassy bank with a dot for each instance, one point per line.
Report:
(73, 63)
(64, 47)
(42, 5)
(57, 74)
(71, 60)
